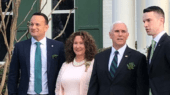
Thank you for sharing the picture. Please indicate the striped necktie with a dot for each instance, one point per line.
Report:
(37, 70)
(113, 66)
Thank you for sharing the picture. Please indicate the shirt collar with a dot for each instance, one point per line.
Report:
(121, 50)
(157, 38)
(42, 41)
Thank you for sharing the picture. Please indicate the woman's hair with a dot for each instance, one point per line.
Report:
(89, 43)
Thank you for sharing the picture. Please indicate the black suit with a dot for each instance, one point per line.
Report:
(18, 79)
(159, 68)
(125, 82)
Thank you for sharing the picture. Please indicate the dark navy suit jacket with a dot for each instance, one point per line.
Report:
(19, 74)
(159, 68)
(125, 81)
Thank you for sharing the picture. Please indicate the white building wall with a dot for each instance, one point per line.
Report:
(164, 4)
(114, 10)
(107, 21)
(124, 10)
(47, 11)
(140, 30)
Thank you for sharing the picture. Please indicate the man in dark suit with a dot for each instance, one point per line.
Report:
(119, 70)
(159, 51)
(35, 62)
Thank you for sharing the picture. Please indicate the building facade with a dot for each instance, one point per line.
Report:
(95, 17)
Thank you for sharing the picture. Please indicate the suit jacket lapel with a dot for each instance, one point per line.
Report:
(27, 53)
(27, 47)
(123, 61)
(148, 57)
(49, 53)
(157, 48)
(106, 59)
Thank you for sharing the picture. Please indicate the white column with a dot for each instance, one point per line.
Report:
(164, 4)
(140, 30)
(107, 22)
(47, 9)
(124, 10)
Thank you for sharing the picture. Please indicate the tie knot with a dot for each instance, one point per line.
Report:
(153, 42)
(116, 52)
(37, 43)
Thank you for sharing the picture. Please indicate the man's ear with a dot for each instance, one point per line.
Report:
(110, 35)
(127, 35)
(46, 27)
(162, 20)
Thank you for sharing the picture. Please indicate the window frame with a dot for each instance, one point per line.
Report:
(47, 12)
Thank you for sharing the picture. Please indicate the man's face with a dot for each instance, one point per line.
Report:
(38, 27)
(152, 23)
(119, 35)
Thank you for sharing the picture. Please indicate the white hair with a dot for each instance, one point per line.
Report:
(116, 22)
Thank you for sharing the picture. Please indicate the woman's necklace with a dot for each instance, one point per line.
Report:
(78, 63)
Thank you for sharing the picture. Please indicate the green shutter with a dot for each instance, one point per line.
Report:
(88, 17)
(24, 8)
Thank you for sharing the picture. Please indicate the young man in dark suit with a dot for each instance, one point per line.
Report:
(119, 70)
(159, 52)
(35, 62)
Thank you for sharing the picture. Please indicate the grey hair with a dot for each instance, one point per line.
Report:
(116, 22)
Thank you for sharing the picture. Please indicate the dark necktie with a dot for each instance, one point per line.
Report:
(113, 66)
(37, 70)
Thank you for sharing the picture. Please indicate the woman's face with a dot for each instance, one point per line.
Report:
(78, 46)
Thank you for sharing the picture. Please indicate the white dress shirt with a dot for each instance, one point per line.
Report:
(120, 55)
(43, 47)
(156, 39)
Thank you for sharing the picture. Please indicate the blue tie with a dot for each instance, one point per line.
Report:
(113, 66)
(37, 70)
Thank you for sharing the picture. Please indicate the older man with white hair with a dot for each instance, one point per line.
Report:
(119, 70)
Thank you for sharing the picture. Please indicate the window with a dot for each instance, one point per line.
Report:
(59, 17)
(3, 48)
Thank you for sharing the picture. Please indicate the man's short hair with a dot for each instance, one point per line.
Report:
(154, 9)
(42, 14)
(117, 22)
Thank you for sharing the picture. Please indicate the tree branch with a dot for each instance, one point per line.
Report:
(1, 28)
(16, 38)
(3, 15)
(25, 32)
(68, 17)
(5, 39)
(8, 6)
(26, 15)
(22, 36)
(2, 18)
(54, 8)
(6, 91)
(43, 5)
(2, 66)
(8, 18)
(14, 23)
(4, 75)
